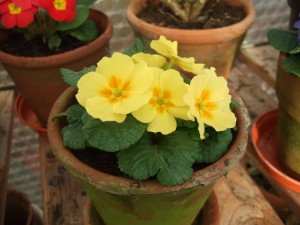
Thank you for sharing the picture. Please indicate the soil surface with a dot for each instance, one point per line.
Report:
(17, 45)
(216, 12)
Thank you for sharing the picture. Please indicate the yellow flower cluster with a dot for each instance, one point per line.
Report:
(148, 87)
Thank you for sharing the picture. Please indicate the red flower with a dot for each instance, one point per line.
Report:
(15, 15)
(60, 10)
(26, 4)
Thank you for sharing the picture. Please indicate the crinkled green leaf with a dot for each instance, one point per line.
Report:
(82, 13)
(214, 145)
(170, 158)
(112, 136)
(137, 47)
(292, 65)
(186, 123)
(72, 133)
(282, 40)
(54, 41)
(71, 77)
(86, 32)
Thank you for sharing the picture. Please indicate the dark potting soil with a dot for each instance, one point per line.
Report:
(216, 12)
(107, 161)
(17, 45)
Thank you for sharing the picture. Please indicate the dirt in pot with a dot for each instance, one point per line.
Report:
(16, 44)
(215, 14)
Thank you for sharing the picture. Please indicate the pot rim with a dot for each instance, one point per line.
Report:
(127, 186)
(186, 36)
(63, 58)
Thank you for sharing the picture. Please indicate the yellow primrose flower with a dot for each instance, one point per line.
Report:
(116, 88)
(169, 49)
(208, 98)
(151, 60)
(166, 103)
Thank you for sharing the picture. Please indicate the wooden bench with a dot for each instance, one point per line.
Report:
(6, 116)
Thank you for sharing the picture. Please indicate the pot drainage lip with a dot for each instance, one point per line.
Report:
(263, 138)
(27, 116)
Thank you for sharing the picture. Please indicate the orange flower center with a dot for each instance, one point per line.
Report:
(14, 9)
(60, 4)
(116, 91)
(161, 100)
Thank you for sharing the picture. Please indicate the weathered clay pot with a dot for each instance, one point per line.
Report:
(288, 131)
(214, 47)
(39, 78)
(122, 201)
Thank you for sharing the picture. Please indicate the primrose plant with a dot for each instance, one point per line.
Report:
(158, 122)
(50, 20)
(288, 42)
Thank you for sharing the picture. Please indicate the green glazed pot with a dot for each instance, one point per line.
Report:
(288, 131)
(122, 201)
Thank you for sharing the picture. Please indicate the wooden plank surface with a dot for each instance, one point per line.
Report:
(6, 116)
(63, 196)
(241, 202)
(263, 61)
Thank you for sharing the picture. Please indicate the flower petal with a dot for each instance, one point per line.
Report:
(163, 122)
(173, 83)
(89, 86)
(221, 120)
(118, 65)
(99, 107)
(164, 47)
(151, 60)
(179, 112)
(145, 114)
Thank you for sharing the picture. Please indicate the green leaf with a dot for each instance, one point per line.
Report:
(86, 32)
(186, 123)
(170, 158)
(54, 41)
(71, 77)
(138, 46)
(282, 40)
(214, 146)
(292, 65)
(112, 136)
(82, 13)
(72, 133)
(86, 2)
(234, 104)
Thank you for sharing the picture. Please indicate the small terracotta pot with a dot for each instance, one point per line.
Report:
(122, 201)
(288, 130)
(215, 47)
(39, 78)
(18, 210)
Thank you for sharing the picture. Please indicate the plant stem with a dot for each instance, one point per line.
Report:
(186, 10)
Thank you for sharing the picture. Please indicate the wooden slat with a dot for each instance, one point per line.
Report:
(6, 116)
(261, 60)
(241, 202)
(63, 196)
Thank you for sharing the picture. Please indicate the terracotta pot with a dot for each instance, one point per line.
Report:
(209, 214)
(214, 47)
(288, 131)
(18, 210)
(39, 78)
(121, 201)
(265, 142)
